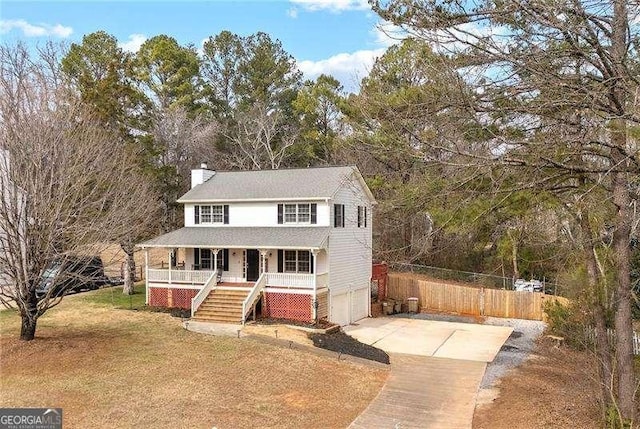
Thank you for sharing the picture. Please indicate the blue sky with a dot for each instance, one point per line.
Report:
(340, 37)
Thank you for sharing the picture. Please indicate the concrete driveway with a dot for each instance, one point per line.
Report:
(436, 370)
(463, 341)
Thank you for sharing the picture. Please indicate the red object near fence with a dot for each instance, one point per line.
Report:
(380, 274)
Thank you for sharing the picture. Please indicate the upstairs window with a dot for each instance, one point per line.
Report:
(362, 216)
(338, 215)
(211, 214)
(290, 213)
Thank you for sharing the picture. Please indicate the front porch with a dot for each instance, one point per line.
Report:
(232, 283)
(285, 271)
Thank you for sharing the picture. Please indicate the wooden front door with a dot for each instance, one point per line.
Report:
(253, 265)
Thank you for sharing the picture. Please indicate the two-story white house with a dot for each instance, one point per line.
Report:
(292, 244)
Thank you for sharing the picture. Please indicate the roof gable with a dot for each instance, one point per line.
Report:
(284, 184)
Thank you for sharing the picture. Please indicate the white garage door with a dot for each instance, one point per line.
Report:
(348, 307)
(340, 309)
(359, 304)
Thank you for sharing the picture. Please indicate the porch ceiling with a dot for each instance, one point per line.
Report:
(243, 238)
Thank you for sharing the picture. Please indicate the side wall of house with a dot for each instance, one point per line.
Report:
(350, 257)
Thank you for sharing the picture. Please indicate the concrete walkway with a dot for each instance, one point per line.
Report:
(436, 370)
(425, 392)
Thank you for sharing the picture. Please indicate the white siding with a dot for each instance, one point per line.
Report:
(257, 214)
(350, 255)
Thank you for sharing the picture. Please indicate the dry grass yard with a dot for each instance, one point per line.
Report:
(554, 388)
(113, 368)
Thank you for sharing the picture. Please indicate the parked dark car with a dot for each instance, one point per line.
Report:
(73, 274)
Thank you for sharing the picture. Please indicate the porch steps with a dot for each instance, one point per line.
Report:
(222, 306)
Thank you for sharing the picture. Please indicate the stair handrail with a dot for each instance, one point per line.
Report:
(197, 300)
(253, 295)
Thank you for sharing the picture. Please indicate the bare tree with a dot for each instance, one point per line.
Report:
(260, 139)
(180, 141)
(67, 184)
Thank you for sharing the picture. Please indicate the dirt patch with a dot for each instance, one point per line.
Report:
(278, 331)
(555, 387)
(320, 324)
(343, 343)
(118, 368)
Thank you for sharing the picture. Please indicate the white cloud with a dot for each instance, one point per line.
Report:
(348, 68)
(332, 5)
(292, 13)
(133, 43)
(386, 34)
(31, 30)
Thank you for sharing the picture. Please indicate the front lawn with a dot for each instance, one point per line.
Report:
(113, 297)
(111, 367)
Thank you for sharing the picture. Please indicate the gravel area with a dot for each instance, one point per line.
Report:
(515, 350)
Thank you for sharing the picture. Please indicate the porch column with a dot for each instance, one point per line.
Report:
(314, 303)
(263, 253)
(146, 275)
(214, 252)
(170, 255)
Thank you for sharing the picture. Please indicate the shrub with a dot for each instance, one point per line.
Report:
(567, 322)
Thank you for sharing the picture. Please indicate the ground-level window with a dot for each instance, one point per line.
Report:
(206, 258)
(297, 261)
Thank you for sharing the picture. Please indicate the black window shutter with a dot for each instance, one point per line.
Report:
(342, 220)
(365, 216)
(314, 213)
(225, 258)
(335, 215)
(196, 215)
(196, 258)
(225, 210)
(280, 260)
(311, 262)
(280, 214)
(359, 216)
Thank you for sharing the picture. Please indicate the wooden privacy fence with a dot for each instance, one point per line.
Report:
(477, 301)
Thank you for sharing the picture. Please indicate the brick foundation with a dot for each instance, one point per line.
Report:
(288, 306)
(171, 297)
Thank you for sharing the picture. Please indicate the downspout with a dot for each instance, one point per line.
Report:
(146, 275)
(314, 302)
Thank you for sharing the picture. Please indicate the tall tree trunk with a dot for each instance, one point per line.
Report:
(129, 269)
(622, 299)
(29, 319)
(603, 348)
(621, 199)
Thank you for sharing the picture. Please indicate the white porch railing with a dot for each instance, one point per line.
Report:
(253, 295)
(179, 276)
(209, 285)
(302, 281)
(322, 280)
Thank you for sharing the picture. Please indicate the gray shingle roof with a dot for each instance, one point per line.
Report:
(283, 184)
(279, 237)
